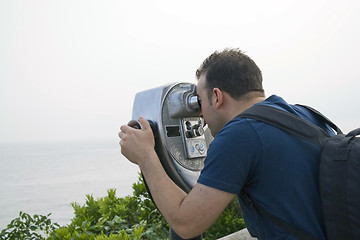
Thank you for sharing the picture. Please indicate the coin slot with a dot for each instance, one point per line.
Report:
(172, 131)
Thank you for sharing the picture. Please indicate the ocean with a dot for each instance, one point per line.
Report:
(43, 178)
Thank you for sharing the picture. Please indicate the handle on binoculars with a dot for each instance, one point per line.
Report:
(137, 125)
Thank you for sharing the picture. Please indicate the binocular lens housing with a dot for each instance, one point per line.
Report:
(181, 135)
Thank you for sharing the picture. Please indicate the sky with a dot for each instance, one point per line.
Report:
(69, 70)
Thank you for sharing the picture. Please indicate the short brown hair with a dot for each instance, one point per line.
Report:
(231, 71)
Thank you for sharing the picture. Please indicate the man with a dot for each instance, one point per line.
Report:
(277, 170)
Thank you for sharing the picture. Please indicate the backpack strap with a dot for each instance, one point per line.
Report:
(322, 117)
(287, 227)
(290, 123)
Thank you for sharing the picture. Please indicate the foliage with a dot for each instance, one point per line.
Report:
(111, 218)
(131, 217)
(27, 227)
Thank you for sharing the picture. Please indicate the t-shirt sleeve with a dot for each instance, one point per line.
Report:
(232, 157)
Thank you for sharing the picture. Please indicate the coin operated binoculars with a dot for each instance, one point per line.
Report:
(181, 135)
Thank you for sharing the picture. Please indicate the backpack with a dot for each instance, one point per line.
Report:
(339, 172)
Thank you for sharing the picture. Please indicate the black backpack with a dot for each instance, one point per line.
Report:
(339, 176)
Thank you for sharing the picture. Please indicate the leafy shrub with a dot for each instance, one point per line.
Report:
(111, 218)
(27, 227)
(131, 217)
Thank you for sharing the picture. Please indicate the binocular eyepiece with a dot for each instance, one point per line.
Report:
(184, 102)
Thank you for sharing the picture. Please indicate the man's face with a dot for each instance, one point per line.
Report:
(208, 111)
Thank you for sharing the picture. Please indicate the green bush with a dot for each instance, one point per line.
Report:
(27, 227)
(131, 217)
(111, 218)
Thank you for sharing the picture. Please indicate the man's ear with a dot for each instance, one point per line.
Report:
(218, 97)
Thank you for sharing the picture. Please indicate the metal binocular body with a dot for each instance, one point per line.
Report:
(181, 135)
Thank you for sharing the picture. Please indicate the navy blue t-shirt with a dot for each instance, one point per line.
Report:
(279, 172)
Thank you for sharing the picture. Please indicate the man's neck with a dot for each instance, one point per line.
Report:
(242, 105)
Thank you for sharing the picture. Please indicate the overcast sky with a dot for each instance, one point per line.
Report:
(69, 70)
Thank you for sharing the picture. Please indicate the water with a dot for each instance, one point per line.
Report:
(42, 178)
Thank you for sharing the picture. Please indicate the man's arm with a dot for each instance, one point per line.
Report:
(188, 214)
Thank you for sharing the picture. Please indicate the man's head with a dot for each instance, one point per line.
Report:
(228, 82)
(231, 71)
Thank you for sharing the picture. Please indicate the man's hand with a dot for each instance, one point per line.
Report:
(137, 144)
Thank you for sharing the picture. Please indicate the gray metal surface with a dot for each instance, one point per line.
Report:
(181, 138)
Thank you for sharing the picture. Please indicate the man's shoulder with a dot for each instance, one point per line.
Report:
(238, 126)
(239, 132)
